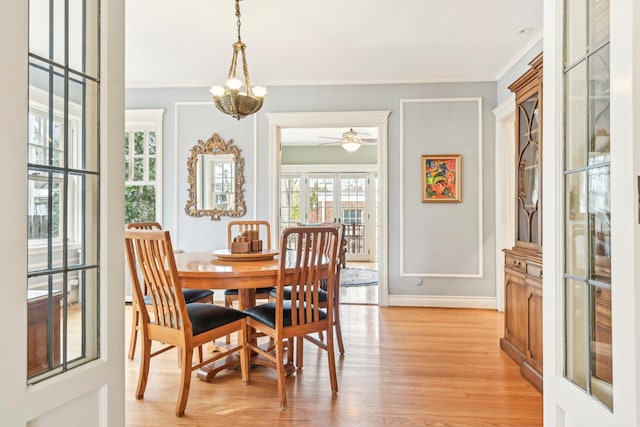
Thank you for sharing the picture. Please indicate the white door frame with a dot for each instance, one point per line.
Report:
(379, 119)
(504, 188)
(91, 394)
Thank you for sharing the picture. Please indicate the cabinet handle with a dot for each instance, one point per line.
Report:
(516, 263)
(598, 292)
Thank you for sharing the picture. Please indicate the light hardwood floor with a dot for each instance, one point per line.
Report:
(403, 366)
(360, 294)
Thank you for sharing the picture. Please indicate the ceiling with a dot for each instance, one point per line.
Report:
(171, 43)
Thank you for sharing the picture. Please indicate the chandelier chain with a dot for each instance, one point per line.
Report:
(238, 16)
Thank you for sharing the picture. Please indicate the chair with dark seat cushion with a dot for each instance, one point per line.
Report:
(322, 294)
(307, 264)
(190, 295)
(169, 320)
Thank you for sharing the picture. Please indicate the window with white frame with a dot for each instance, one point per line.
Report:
(143, 165)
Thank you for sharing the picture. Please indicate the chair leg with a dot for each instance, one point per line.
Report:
(145, 359)
(134, 331)
(245, 354)
(185, 380)
(333, 378)
(228, 302)
(282, 386)
(336, 315)
(299, 352)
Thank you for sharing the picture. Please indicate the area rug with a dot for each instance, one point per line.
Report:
(358, 277)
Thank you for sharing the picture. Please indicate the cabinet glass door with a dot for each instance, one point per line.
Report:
(528, 231)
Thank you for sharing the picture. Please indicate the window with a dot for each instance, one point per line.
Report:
(63, 187)
(143, 166)
(289, 200)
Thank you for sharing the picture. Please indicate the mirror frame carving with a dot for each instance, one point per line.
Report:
(215, 145)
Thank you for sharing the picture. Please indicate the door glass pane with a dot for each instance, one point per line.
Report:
(575, 30)
(83, 114)
(577, 332)
(321, 197)
(576, 116)
(576, 258)
(353, 212)
(600, 224)
(83, 36)
(599, 144)
(598, 23)
(44, 323)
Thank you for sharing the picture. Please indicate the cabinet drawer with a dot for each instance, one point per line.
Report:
(514, 263)
(534, 270)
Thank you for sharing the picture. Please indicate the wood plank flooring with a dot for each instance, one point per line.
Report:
(403, 366)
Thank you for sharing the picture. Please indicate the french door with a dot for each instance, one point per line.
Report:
(346, 197)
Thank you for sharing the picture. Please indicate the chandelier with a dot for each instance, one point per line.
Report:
(229, 99)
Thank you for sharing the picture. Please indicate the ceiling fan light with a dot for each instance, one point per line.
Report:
(351, 146)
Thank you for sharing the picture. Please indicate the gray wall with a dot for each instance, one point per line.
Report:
(446, 128)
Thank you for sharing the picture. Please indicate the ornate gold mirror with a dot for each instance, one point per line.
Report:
(216, 178)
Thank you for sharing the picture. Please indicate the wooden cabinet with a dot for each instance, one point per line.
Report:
(523, 313)
(522, 339)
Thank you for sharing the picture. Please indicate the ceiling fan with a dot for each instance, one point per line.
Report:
(351, 140)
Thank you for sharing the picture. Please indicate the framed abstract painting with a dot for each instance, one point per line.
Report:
(441, 178)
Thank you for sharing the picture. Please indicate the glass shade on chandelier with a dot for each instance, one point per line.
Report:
(230, 99)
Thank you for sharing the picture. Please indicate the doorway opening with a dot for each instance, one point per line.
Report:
(318, 180)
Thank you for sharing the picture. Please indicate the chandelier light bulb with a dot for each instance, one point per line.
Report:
(217, 91)
(234, 84)
(260, 91)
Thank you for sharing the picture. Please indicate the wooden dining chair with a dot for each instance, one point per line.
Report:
(234, 228)
(310, 261)
(322, 295)
(190, 295)
(173, 322)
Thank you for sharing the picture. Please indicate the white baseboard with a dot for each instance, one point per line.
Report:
(442, 301)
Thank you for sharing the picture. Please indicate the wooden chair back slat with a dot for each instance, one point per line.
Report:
(160, 277)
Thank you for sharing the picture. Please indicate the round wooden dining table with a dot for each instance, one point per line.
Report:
(204, 270)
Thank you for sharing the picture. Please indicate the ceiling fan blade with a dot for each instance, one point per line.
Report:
(369, 140)
(331, 137)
